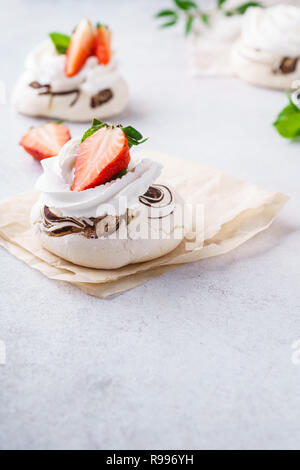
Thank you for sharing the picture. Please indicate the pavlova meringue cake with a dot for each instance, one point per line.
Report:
(214, 32)
(268, 52)
(102, 209)
(72, 78)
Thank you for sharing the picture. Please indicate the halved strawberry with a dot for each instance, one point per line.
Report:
(103, 44)
(101, 157)
(81, 47)
(45, 141)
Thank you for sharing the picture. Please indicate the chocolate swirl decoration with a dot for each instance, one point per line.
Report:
(48, 91)
(92, 228)
(287, 65)
(96, 100)
(158, 197)
(101, 98)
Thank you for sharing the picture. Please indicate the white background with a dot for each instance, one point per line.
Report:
(199, 358)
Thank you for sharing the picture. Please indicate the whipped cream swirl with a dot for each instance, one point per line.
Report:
(112, 198)
(275, 30)
(46, 66)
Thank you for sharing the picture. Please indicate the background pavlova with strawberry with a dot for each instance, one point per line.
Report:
(73, 78)
(99, 207)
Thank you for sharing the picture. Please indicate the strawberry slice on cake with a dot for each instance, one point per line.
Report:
(100, 157)
(103, 44)
(103, 154)
(45, 141)
(82, 46)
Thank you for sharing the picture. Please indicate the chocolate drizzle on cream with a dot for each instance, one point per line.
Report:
(48, 91)
(96, 100)
(93, 228)
(158, 197)
(287, 65)
(102, 97)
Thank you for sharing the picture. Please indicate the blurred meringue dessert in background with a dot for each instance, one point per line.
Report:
(101, 208)
(268, 52)
(211, 39)
(72, 78)
(214, 29)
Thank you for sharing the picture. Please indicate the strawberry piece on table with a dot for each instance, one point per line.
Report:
(82, 46)
(46, 141)
(101, 157)
(103, 44)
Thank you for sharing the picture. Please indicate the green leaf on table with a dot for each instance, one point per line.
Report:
(189, 24)
(60, 41)
(186, 5)
(221, 3)
(170, 23)
(288, 121)
(171, 16)
(163, 13)
(243, 8)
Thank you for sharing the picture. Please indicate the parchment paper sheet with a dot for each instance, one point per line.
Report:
(235, 211)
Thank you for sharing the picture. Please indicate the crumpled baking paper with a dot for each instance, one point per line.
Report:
(234, 212)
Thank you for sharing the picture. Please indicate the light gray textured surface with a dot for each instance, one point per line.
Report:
(200, 358)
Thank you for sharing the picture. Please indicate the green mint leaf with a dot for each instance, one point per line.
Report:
(88, 134)
(132, 132)
(164, 13)
(287, 123)
(60, 41)
(96, 125)
(133, 142)
(185, 5)
(134, 137)
(189, 24)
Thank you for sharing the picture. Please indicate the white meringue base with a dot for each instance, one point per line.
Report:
(259, 73)
(110, 252)
(28, 101)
